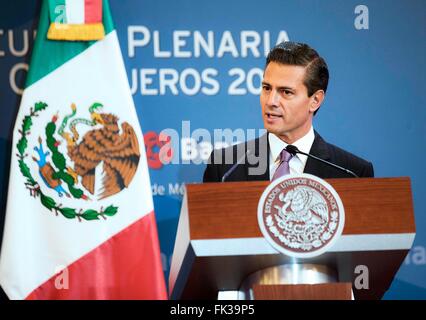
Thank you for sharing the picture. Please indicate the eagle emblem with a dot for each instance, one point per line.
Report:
(82, 158)
(116, 148)
(301, 216)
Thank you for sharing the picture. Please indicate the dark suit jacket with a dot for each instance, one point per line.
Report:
(250, 162)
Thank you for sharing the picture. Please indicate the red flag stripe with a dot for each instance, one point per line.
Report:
(92, 11)
(127, 266)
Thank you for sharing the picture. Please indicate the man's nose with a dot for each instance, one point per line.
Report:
(273, 99)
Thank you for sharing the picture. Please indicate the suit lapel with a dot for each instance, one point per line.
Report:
(320, 149)
(255, 148)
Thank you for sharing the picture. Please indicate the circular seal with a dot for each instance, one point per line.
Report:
(301, 216)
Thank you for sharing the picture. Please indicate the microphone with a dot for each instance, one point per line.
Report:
(293, 150)
(234, 166)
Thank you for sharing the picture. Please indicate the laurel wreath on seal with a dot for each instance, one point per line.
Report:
(287, 240)
(34, 187)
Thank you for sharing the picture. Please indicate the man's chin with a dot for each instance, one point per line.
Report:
(273, 129)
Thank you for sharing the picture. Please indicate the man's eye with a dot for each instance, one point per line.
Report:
(287, 92)
(266, 88)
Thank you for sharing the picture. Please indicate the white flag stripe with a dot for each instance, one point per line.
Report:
(61, 241)
(75, 11)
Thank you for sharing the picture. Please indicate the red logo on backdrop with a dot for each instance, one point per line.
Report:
(158, 149)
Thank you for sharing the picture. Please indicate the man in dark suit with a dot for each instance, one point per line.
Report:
(293, 89)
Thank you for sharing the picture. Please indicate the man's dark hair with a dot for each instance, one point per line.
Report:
(300, 54)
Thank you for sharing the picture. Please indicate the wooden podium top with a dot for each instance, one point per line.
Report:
(219, 243)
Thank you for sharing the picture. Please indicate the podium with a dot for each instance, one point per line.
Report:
(219, 244)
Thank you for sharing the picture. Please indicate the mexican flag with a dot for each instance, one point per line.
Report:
(79, 222)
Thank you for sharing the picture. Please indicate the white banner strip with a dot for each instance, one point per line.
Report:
(75, 11)
(346, 243)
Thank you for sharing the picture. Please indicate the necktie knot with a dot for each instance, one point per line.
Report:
(285, 156)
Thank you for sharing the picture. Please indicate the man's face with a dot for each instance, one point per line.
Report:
(286, 108)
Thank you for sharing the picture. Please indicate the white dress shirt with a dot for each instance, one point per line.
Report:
(297, 163)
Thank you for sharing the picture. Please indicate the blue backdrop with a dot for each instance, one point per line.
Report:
(198, 64)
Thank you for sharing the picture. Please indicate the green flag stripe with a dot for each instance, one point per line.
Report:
(57, 11)
(49, 55)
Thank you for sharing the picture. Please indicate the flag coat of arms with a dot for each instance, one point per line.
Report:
(79, 222)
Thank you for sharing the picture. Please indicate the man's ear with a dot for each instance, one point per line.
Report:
(316, 100)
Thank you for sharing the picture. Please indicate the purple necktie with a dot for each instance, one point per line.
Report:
(283, 167)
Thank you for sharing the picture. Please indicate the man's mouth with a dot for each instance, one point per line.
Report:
(271, 115)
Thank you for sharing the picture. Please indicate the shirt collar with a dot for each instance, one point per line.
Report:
(303, 144)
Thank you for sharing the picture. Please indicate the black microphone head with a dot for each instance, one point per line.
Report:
(292, 149)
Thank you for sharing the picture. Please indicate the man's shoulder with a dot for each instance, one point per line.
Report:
(340, 153)
(240, 162)
(346, 159)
